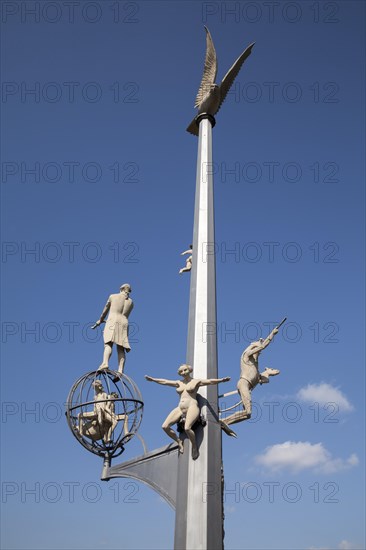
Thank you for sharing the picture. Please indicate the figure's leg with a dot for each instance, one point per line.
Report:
(90, 429)
(264, 376)
(235, 418)
(191, 417)
(109, 432)
(79, 426)
(246, 398)
(110, 421)
(100, 415)
(125, 424)
(244, 388)
(188, 265)
(91, 415)
(226, 429)
(86, 428)
(123, 417)
(171, 419)
(106, 355)
(121, 358)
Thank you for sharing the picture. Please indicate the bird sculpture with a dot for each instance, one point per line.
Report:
(210, 96)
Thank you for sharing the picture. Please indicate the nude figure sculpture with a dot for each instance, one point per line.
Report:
(188, 408)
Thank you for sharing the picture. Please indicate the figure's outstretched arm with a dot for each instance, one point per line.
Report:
(213, 381)
(162, 381)
(186, 252)
(255, 349)
(269, 338)
(260, 347)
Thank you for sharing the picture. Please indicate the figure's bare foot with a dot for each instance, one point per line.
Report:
(180, 446)
(195, 453)
(227, 430)
(103, 366)
(271, 372)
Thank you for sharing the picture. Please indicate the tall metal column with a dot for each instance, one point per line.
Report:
(199, 510)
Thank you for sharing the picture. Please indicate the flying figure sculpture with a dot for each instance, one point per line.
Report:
(210, 96)
(250, 377)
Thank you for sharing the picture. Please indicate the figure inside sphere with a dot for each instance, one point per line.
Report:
(101, 422)
(250, 377)
(119, 307)
(188, 266)
(188, 408)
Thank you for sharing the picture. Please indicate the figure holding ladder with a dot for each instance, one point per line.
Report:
(250, 377)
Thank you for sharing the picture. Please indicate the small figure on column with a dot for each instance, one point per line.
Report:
(250, 377)
(188, 260)
(119, 307)
(188, 406)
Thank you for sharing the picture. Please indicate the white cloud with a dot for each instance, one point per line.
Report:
(343, 545)
(324, 393)
(346, 545)
(302, 455)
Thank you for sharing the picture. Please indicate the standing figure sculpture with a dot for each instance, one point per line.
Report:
(188, 266)
(188, 407)
(250, 377)
(119, 307)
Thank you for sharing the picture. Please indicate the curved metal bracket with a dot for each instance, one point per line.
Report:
(158, 469)
(231, 408)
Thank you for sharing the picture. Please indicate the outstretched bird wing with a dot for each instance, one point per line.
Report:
(209, 70)
(232, 73)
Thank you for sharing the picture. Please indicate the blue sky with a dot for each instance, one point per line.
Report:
(110, 200)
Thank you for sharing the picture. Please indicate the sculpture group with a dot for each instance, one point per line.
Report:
(104, 420)
(99, 423)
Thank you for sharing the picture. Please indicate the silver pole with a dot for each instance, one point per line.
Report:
(199, 511)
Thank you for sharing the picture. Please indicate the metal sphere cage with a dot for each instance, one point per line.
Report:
(104, 422)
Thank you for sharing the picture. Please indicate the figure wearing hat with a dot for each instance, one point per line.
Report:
(119, 307)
